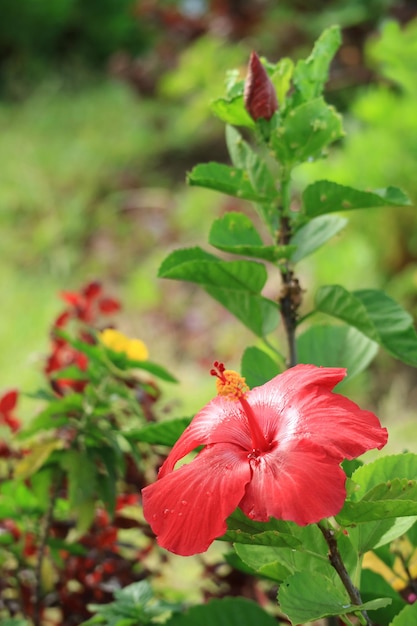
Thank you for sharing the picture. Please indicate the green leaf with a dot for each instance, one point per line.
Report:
(275, 533)
(82, 488)
(148, 366)
(281, 78)
(163, 433)
(324, 196)
(235, 284)
(314, 234)
(407, 617)
(349, 348)
(384, 490)
(232, 111)
(373, 586)
(56, 414)
(238, 148)
(235, 233)
(310, 554)
(230, 180)
(133, 605)
(385, 468)
(373, 535)
(258, 367)
(39, 454)
(243, 157)
(210, 271)
(224, 612)
(17, 499)
(375, 315)
(260, 177)
(305, 598)
(310, 75)
(304, 132)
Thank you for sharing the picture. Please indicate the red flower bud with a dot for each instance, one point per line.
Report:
(259, 95)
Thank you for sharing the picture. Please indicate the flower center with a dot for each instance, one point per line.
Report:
(232, 386)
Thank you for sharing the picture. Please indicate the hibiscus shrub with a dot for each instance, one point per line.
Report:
(274, 472)
(268, 474)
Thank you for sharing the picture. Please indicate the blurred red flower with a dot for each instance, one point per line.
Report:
(274, 451)
(8, 402)
(85, 306)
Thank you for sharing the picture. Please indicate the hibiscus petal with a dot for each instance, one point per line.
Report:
(304, 486)
(300, 404)
(187, 509)
(220, 421)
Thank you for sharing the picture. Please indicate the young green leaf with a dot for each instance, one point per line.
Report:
(325, 196)
(305, 132)
(310, 75)
(281, 78)
(232, 111)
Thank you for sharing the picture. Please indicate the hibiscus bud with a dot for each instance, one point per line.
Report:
(259, 95)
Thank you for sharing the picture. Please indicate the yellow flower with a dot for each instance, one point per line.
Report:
(134, 349)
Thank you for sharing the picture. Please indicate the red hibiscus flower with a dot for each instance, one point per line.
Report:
(274, 451)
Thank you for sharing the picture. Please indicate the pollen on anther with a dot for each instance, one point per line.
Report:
(229, 383)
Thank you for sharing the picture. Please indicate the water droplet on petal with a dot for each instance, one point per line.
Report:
(209, 493)
(154, 516)
(166, 512)
(184, 502)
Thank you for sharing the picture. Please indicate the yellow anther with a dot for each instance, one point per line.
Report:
(231, 385)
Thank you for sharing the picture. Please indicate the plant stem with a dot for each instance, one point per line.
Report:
(47, 521)
(337, 562)
(290, 297)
